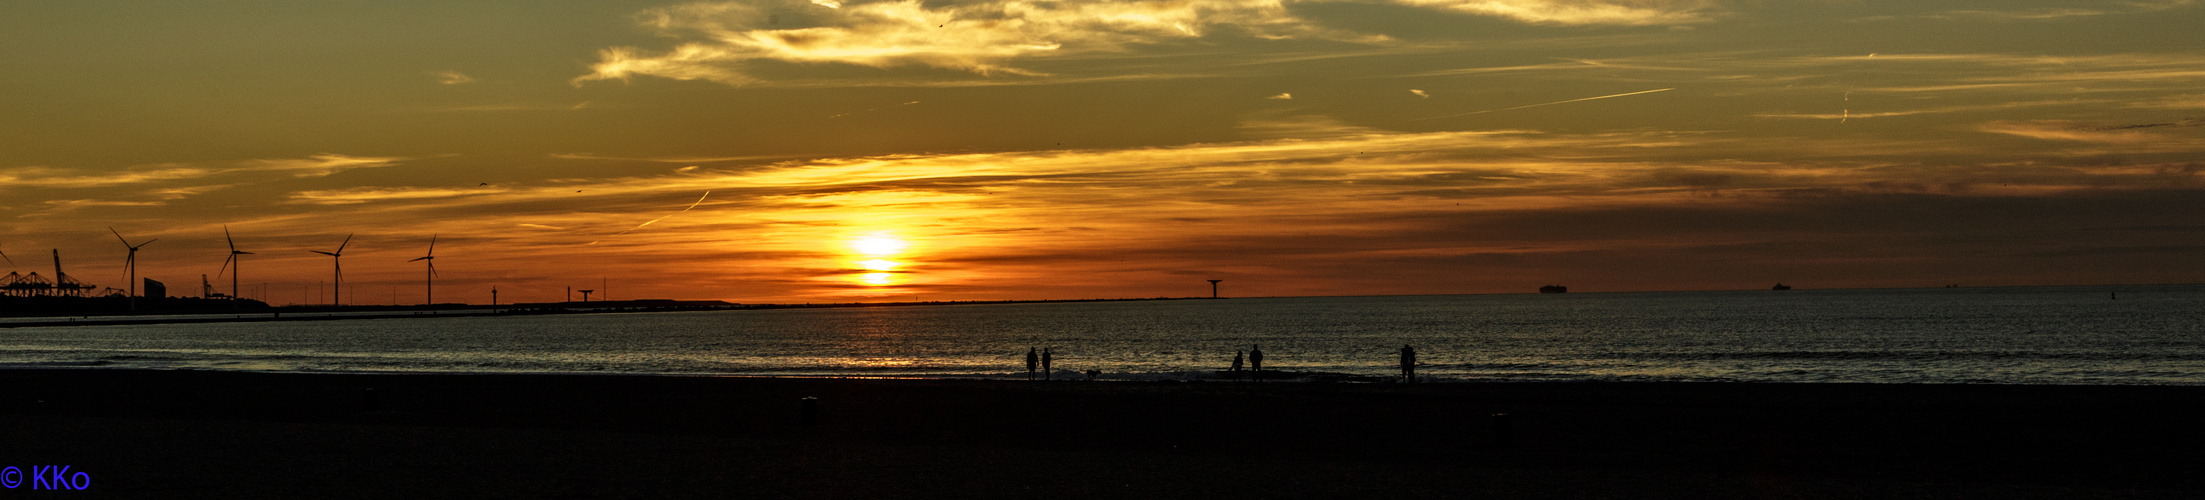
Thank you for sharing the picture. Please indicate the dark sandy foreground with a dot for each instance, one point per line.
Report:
(143, 434)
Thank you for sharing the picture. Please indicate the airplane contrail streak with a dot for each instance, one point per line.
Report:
(1546, 104)
(700, 200)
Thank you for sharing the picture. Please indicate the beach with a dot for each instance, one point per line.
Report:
(210, 434)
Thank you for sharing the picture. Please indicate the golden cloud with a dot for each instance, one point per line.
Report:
(978, 37)
(2067, 130)
(1582, 12)
(320, 165)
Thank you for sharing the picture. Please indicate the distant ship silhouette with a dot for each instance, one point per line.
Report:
(1554, 289)
(1780, 287)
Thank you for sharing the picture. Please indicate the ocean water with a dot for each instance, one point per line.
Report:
(2034, 335)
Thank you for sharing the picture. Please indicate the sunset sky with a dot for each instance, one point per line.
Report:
(904, 150)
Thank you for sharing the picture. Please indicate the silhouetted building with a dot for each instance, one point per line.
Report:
(155, 290)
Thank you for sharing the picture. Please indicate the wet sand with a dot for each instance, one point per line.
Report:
(255, 435)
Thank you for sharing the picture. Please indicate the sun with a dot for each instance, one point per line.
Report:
(875, 270)
(878, 244)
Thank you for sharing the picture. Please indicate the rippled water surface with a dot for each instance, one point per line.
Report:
(2063, 335)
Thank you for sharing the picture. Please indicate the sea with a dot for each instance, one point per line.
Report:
(2084, 335)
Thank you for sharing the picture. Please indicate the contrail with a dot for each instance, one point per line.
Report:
(700, 200)
(1546, 104)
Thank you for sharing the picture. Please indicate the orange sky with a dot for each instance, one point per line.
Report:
(878, 151)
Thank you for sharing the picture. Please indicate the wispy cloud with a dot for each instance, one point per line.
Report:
(721, 42)
(1583, 12)
(1849, 114)
(2084, 9)
(1594, 98)
(2067, 130)
(981, 37)
(320, 165)
(451, 77)
(355, 196)
(512, 107)
(677, 159)
(2189, 101)
(50, 177)
(1302, 126)
(312, 166)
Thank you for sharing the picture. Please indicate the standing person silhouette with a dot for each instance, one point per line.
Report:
(1408, 364)
(1045, 361)
(1031, 359)
(1255, 361)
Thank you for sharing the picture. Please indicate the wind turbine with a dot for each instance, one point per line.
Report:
(431, 257)
(231, 264)
(130, 264)
(336, 296)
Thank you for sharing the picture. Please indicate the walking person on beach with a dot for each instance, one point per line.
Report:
(1031, 360)
(1408, 364)
(1045, 360)
(1255, 361)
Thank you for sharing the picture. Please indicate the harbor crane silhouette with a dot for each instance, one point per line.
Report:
(336, 259)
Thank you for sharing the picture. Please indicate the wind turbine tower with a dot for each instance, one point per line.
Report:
(1213, 288)
(336, 259)
(232, 264)
(130, 264)
(431, 258)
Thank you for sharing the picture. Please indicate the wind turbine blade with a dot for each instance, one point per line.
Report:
(225, 266)
(418, 259)
(234, 252)
(226, 237)
(147, 242)
(323, 253)
(341, 247)
(432, 269)
(432, 244)
(4, 255)
(119, 236)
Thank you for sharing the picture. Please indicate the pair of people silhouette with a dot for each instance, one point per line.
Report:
(1040, 360)
(1254, 357)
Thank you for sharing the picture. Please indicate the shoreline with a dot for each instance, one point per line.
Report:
(1195, 377)
(284, 435)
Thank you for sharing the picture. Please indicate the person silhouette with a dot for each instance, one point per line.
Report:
(1236, 362)
(1255, 361)
(1031, 360)
(1046, 359)
(1408, 364)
